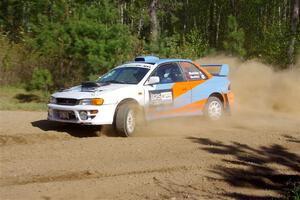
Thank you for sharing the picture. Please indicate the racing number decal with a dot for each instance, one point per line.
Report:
(161, 97)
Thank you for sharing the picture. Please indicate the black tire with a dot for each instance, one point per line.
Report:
(125, 111)
(214, 108)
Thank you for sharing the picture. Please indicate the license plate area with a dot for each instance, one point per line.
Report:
(66, 115)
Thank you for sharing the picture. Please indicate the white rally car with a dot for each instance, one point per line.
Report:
(144, 89)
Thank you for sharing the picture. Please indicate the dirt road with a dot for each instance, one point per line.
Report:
(244, 157)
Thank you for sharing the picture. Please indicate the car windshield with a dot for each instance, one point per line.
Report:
(124, 75)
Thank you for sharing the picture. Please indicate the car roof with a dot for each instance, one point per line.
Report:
(150, 62)
(156, 60)
(172, 60)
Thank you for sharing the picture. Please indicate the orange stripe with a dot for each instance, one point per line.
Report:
(224, 99)
(230, 97)
(194, 84)
(195, 106)
(180, 88)
(204, 70)
(190, 108)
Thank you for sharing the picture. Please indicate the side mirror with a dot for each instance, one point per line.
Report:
(153, 80)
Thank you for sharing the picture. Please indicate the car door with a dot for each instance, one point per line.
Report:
(166, 98)
(197, 80)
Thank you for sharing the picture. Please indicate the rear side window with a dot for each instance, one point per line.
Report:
(191, 72)
(169, 73)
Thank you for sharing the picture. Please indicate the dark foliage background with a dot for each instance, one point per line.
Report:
(67, 41)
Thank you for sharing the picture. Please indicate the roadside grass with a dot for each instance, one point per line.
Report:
(294, 194)
(16, 98)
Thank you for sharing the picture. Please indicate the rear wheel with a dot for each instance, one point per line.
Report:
(126, 119)
(214, 108)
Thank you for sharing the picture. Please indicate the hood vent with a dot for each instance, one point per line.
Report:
(89, 86)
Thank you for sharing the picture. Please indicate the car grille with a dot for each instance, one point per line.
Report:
(64, 114)
(65, 101)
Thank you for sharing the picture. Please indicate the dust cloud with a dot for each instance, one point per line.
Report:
(263, 99)
(259, 88)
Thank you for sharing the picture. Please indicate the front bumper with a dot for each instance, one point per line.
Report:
(104, 115)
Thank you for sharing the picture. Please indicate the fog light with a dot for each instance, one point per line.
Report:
(83, 115)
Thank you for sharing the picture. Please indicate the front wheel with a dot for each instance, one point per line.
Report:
(126, 119)
(214, 108)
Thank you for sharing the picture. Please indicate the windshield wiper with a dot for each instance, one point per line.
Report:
(114, 81)
(133, 83)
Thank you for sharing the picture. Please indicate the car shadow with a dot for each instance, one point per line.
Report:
(252, 167)
(75, 130)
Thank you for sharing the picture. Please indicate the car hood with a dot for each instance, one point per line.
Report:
(78, 92)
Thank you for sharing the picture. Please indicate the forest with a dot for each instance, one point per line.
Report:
(50, 44)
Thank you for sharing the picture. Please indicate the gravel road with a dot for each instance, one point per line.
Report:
(243, 157)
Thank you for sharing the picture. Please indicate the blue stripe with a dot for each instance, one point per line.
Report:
(163, 86)
(204, 90)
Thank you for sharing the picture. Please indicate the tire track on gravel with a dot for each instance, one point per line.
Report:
(86, 174)
(30, 138)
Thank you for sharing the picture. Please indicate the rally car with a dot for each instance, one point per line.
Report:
(145, 89)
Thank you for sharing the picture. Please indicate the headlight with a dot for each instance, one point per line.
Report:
(52, 100)
(95, 101)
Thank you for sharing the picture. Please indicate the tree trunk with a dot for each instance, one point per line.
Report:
(293, 30)
(233, 7)
(212, 24)
(153, 20)
(141, 23)
(121, 12)
(219, 10)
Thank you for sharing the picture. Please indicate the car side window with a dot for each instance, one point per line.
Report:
(191, 72)
(169, 73)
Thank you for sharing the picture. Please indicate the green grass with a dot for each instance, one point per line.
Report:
(294, 194)
(13, 98)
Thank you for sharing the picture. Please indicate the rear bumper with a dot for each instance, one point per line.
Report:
(228, 101)
(104, 115)
(230, 98)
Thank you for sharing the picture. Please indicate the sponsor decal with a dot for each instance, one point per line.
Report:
(194, 75)
(161, 97)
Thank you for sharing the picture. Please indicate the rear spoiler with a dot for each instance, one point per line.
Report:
(217, 69)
